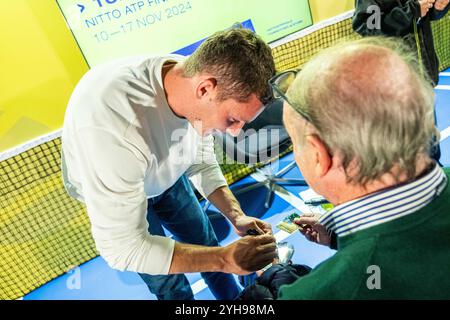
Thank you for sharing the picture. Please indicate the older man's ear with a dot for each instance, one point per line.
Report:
(322, 159)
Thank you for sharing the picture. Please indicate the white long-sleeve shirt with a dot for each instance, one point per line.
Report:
(122, 144)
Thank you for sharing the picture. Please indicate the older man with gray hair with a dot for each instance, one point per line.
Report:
(361, 121)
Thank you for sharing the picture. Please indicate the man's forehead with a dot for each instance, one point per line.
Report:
(247, 111)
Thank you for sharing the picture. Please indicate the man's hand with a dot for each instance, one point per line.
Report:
(249, 254)
(310, 227)
(440, 5)
(226, 202)
(426, 5)
(243, 223)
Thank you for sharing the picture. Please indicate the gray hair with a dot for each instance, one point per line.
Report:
(369, 103)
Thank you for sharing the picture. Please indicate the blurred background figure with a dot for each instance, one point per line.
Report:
(410, 20)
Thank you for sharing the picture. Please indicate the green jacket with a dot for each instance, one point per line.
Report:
(397, 20)
(412, 253)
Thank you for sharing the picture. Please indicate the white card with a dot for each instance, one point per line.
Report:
(309, 195)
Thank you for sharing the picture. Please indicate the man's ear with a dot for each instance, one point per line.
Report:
(321, 156)
(206, 86)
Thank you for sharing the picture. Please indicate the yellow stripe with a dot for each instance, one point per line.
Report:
(25, 200)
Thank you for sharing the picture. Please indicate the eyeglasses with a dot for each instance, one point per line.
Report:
(280, 84)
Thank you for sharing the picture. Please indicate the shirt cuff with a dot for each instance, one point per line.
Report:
(160, 258)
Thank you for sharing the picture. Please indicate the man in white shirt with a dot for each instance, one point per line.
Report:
(136, 129)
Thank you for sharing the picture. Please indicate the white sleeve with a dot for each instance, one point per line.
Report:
(113, 188)
(205, 174)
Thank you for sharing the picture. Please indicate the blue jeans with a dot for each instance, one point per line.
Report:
(179, 211)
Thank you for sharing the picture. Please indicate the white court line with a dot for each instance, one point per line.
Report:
(443, 87)
(445, 74)
(445, 134)
(199, 286)
(281, 235)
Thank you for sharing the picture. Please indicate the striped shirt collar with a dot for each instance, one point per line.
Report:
(386, 205)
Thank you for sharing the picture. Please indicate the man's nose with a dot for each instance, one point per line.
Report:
(235, 128)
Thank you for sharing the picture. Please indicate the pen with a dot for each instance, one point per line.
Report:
(252, 232)
(317, 201)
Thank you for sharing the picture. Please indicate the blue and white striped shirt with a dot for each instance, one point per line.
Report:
(386, 205)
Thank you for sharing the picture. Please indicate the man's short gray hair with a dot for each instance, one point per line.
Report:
(368, 102)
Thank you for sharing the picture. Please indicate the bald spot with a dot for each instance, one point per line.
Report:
(368, 72)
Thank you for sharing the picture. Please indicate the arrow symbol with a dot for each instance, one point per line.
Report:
(81, 7)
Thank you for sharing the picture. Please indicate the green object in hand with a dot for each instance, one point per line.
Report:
(287, 224)
(327, 206)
